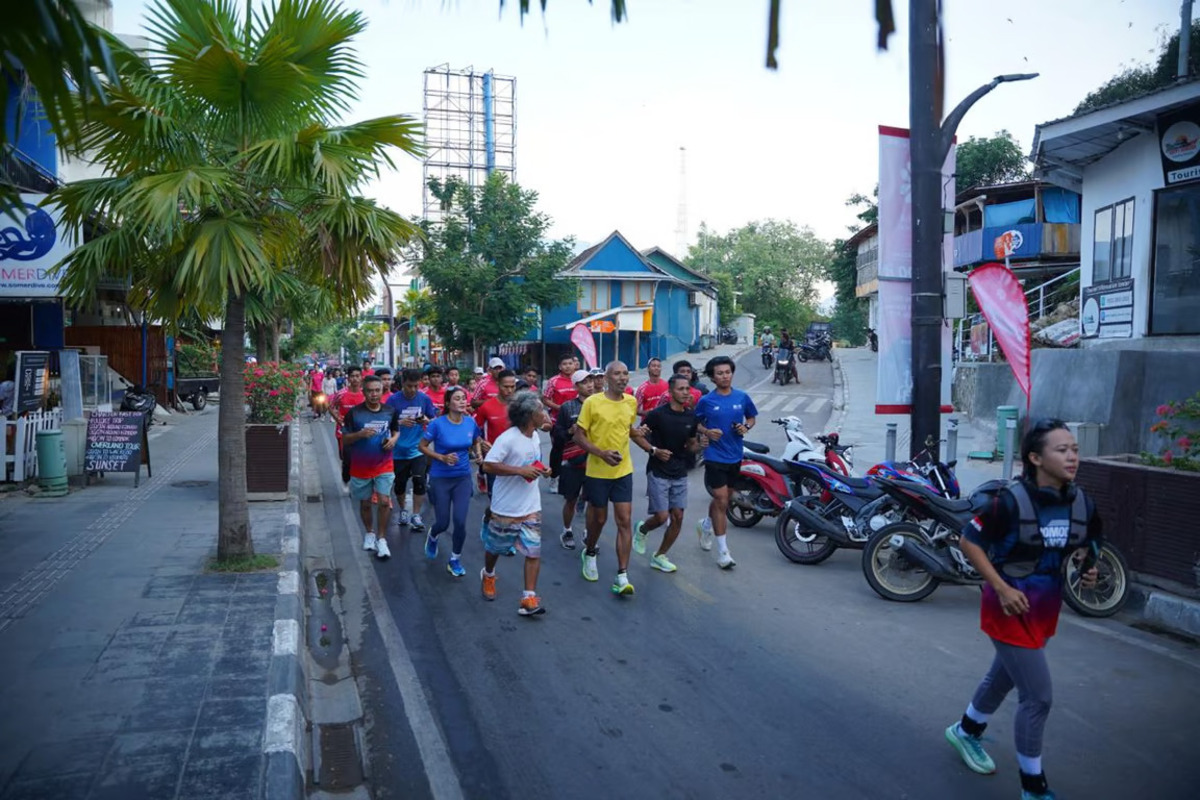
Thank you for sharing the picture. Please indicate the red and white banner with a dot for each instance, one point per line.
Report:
(894, 383)
(581, 337)
(1002, 301)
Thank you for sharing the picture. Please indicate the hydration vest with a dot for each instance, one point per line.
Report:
(1029, 528)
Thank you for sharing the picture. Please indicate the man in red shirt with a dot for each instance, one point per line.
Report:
(650, 394)
(384, 374)
(489, 386)
(559, 390)
(683, 368)
(435, 389)
(343, 401)
(492, 416)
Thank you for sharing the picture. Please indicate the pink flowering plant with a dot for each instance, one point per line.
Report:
(1179, 426)
(273, 391)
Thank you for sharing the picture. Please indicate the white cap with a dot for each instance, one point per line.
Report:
(479, 370)
(495, 362)
(580, 375)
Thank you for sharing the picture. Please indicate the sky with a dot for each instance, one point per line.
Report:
(603, 109)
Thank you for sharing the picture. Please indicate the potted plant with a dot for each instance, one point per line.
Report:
(273, 392)
(1150, 502)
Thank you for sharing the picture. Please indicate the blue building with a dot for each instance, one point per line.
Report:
(638, 304)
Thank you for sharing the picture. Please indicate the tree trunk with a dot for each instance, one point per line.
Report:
(233, 516)
(275, 336)
(262, 342)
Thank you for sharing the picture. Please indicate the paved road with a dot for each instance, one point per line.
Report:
(771, 680)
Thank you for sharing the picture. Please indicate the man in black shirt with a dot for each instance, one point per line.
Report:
(672, 430)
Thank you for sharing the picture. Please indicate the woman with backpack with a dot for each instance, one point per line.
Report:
(1019, 545)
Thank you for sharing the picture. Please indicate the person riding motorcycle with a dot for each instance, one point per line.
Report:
(786, 343)
(767, 343)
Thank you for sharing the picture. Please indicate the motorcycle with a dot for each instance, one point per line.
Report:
(873, 338)
(906, 561)
(768, 356)
(783, 367)
(138, 398)
(819, 349)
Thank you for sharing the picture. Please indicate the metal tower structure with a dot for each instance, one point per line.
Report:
(470, 128)
(681, 219)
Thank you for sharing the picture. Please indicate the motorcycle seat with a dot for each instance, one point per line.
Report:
(948, 504)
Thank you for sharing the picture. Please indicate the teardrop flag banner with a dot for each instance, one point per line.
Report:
(581, 337)
(1002, 301)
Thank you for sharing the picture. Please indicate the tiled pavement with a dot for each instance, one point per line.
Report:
(126, 671)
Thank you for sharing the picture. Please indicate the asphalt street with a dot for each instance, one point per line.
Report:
(769, 680)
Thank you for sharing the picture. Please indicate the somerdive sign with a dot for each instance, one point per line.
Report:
(1179, 144)
(32, 242)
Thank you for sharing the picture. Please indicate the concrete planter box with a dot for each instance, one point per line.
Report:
(268, 461)
(1151, 513)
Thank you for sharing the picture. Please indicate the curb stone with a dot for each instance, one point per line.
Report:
(1164, 609)
(285, 742)
(839, 392)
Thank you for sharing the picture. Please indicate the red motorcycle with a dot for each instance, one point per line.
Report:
(763, 487)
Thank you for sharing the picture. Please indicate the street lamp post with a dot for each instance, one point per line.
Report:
(930, 140)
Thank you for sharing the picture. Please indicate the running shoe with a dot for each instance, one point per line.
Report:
(639, 538)
(1046, 795)
(530, 606)
(567, 538)
(972, 752)
(382, 551)
(552, 486)
(590, 573)
(416, 524)
(455, 567)
(402, 520)
(370, 541)
(488, 585)
(662, 563)
(725, 560)
(431, 547)
(621, 586)
(705, 531)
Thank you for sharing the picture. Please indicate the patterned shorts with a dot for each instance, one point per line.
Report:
(500, 533)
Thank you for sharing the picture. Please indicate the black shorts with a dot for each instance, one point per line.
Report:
(602, 491)
(406, 468)
(718, 475)
(570, 481)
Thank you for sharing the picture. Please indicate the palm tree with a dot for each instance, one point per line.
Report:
(228, 178)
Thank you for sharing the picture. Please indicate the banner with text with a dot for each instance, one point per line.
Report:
(895, 382)
(32, 242)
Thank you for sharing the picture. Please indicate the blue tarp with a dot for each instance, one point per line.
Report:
(1002, 214)
(1060, 205)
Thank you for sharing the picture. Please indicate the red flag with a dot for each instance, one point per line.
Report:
(581, 337)
(1002, 302)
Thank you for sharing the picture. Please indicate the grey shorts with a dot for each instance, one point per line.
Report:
(666, 493)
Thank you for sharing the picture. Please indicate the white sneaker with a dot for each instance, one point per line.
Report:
(590, 573)
(382, 552)
(705, 530)
(725, 560)
(370, 541)
(553, 486)
(402, 520)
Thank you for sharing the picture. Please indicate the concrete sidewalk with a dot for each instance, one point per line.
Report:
(126, 669)
(854, 388)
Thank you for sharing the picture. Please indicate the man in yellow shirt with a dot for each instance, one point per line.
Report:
(606, 423)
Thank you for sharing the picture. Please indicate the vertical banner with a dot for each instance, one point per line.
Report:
(581, 337)
(1002, 301)
(895, 382)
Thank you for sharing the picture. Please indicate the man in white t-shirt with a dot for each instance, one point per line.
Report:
(515, 517)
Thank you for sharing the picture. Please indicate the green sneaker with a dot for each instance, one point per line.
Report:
(661, 563)
(590, 573)
(639, 539)
(621, 586)
(971, 749)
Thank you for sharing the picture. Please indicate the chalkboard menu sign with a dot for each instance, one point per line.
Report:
(116, 442)
(33, 380)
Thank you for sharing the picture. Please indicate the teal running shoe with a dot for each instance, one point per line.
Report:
(971, 749)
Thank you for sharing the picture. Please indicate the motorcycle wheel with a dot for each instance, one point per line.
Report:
(891, 575)
(803, 357)
(741, 517)
(1111, 591)
(199, 401)
(801, 546)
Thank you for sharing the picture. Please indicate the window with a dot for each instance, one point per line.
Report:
(1176, 273)
(594, 296)
(1112, 242)
(637, 293)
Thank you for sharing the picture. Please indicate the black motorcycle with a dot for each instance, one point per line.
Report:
(768, 356)
(783, 367)
(139, 399)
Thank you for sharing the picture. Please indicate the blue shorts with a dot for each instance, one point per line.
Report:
(366, 488)
(501, 533)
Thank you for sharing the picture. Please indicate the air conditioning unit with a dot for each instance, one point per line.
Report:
(693, 299)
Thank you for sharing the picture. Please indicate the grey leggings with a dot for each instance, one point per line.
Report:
(1026, 669)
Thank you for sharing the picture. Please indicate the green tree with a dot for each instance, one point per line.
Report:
(225, 174)
(850, 314)
(986, 161)
(1138, 79)
(488, 262)
(870, 208)
(773, 265)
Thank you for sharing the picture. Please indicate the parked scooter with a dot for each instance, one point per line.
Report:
(820, 349)
(138, 398)
(873, 338)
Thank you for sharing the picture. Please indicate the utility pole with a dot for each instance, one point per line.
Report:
(929, 141)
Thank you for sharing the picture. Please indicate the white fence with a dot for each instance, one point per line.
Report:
(18, 445)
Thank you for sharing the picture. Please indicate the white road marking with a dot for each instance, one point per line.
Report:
(816, 405)
(1134, 641)
(771, 401)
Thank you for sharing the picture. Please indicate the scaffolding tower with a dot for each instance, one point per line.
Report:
(470, 129)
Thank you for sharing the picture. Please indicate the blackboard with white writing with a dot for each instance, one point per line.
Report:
(115, 441)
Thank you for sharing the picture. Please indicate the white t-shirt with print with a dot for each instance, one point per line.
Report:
(512, 495)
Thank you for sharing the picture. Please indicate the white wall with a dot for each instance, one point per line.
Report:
(1132, 170)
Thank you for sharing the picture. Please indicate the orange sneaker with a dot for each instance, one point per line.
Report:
(489, 585)
(530, 606)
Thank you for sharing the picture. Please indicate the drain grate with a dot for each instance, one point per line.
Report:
(339, 767)
(190, 484)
